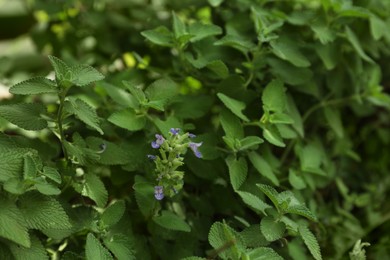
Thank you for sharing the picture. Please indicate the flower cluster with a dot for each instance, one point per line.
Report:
(170, 158)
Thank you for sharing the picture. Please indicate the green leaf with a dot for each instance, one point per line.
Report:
(219, 68)
(231, 125)
(378, 27)
(264, 253)
(310, 241)
(135, 90)
(29, 168)
(329, 55)
(61, 70)
(271, 193)
(280, 118)
(11, 163)
(296, 116)
(250, 142)
(94, 250)
(287, 50)
(34, 86)
(238, 170)
(179, 28)
(274, 97)
(25, 115)
(234, 105)
(94, 189)
(121, 246)
(85, 113)
(47, 188)
(253, 201)
(201, 31)
(164, 126)
(215, 3)
(263, 167)
(160, 36)
(43, 212)
(170, 221)
(302, 211)
(52, 174)
(111, 154)
(311, 158)
(223, 236)
(272, 229)
(334, 120)
(237, 42)
(12, 224)
(113, 213)
(120, 96)
(272, 135)
(289, 73)
(83, 75)
(295, 180)
(323, 32)
(35, 251)
(352, 38)
(144, 196)
(162, 90)
(15, 186)
(128, 119)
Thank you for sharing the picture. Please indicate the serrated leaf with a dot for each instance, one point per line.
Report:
(25, 115)
(223, 236)
(334, 120)
(113, 213)
(263, 167)
(14, 186)
(160, 36)
(234, 105)
(270, 192)
(201, 31)
(253, 201)
(302, 211)
(250, 142)
(287, 50)
(94, 250)
(128, 119)
(43, 212)
(83, 75)
(170, 221)
(83, 111)
(310, 241)
(110, 154)
(272, 229)
(120, 246)
(144, 196)
(352, 38)
(280, 118)
(253, 237)
(161, 90)
(264, 253)
(12, 224)
(273, 136)
(46, 188)
(274, 97)
(11, 163)
(61, 69)
(136, 90)
(34, 86)
(231, 124)
(238, 170)
(36, 251)
(52, 174)
(94, 189)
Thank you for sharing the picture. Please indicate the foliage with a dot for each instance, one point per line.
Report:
(284, 105)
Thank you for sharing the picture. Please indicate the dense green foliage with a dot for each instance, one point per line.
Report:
(284, 104)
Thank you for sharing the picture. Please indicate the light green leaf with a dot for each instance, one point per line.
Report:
(328, 54)
(310, 241)
(237, 42)
(12, 224)
(238, 170)
(34, 86)
(136, 90)
(43, 212)
(35, 251)
(201, 31)
(223, 236)
(15, 186)
(83, 75)
(274, 97)
(162, 90)
(25, 115)
(356, 45)
(160, 36)
(94, 250)
(311, 158)
(94, 189)
(296, 116)
(219, 68)
(29, 168)
(271, 193)
(334, 120)
(272, 229)
(295, 180)
(121, 246)
(253, 201)
(113, 213)
(323, 32)
(47, 188)
(120, 96)
(179, 28)
(52, 174)
(234, 105)
(165, 126)
(263, 167)
(272, 135)
(287, 50)
(85, 113)
(264, 253)
(128, 119)
(11, 163)
(231, 125)
(170, 221)
(215, 3)
(61, 70)
(280, 118)
(302, 211)
(378, 27)
(250, 142)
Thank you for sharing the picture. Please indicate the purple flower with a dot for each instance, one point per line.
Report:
(191, 135)
(151, 157)
(174, 131)
(159, 141)
(158, 192)
(194, 147)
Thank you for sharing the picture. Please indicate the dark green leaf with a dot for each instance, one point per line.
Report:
(34, 86)
(238, 170)
(128, 119)
(310, 241)
(263, 167)
(25, 115)
(94, 250)
(234, 105)
(170, 221)
(94, 189)
(113, 213)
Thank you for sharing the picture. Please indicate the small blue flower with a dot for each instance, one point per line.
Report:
(194, 147)
(159, 141)
(151, 157)
(174, 131)
(158, 192)
(191, 135)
